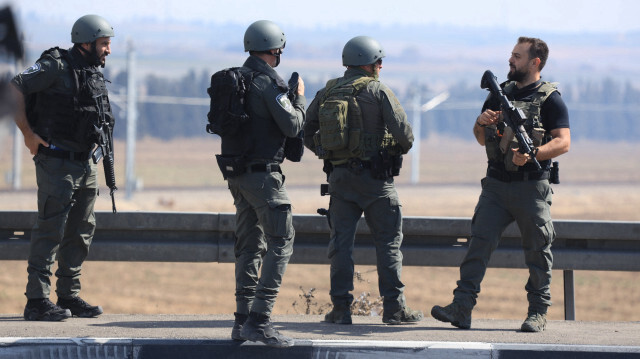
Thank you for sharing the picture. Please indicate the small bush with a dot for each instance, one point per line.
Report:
(363, 304)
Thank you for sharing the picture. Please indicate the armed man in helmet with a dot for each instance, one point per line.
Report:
(358, 127)
(58, 112)
(250, 161)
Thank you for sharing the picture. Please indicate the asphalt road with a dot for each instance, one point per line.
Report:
(310, 327)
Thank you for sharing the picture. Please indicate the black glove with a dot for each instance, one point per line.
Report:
(293, 86)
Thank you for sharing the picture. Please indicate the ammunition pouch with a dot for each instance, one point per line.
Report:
(385, 166)
(294, 147)
(231, 166)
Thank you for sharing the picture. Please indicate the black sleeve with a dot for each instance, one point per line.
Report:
(554, 112)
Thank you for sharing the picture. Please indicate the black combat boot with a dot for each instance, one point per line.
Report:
(258, 328)
(454, 313)
(79, 307)
(237, 326)
(43, 309)
(340, 314)
(404, 315)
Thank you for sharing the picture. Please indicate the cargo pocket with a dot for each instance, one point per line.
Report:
(279, 221)
(548, 232)
(545, 191)
(539, 253)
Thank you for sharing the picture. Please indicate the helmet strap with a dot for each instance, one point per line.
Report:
(276, 55)
(277, 59)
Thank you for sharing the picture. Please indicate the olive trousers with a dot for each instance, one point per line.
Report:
(528, 204)
(67, 191)
(353, 194)
(264, 239)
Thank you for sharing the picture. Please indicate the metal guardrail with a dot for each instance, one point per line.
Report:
(428, 241)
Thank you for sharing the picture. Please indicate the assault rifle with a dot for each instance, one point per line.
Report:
(104, 131)
(513, 117)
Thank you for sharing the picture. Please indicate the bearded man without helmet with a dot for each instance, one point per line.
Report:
(514, 189)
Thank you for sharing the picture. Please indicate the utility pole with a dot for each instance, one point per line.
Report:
(132, 119)
(18, 143)
(417, 124)
(16, 171)
(417, 128)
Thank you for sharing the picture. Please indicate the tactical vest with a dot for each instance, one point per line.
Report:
(499, 139)
(340, 135)
(71, 116)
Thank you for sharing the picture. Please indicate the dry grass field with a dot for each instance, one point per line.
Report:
(600, 181)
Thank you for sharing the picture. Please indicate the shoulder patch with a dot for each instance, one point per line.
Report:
(33, 69)
(283, 101)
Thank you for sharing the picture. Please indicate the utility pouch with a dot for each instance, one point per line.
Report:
(554, 174)
(231, 166)
(397, 165)
(507, 140)
(327, 168)
(294, 147)
(381, 165)
(537, 136)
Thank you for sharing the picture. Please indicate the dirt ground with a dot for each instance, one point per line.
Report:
(600, 181)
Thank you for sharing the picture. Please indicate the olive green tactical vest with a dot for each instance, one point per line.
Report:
(340, 135)
(500, 139)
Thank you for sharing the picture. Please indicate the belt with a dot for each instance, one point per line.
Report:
(517, 176)
(264, 167)
(76, 156)
(355, 164)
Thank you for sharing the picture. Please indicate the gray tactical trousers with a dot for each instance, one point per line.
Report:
(351, 195)
(528, 203)
(264, 239)
(66, 222)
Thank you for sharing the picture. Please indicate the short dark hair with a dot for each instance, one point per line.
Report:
(538, 49)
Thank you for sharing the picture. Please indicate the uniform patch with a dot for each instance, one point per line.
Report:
(33, 69)
(284, 102)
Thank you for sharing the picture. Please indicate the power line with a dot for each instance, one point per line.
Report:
(164, 100)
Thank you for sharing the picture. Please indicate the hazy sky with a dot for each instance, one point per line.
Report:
(562, 16)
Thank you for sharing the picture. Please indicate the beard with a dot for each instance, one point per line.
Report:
(102, 61)
(375, 71)
(98, 59)
(516, 75)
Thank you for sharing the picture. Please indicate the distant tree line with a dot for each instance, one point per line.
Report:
(604, 109)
